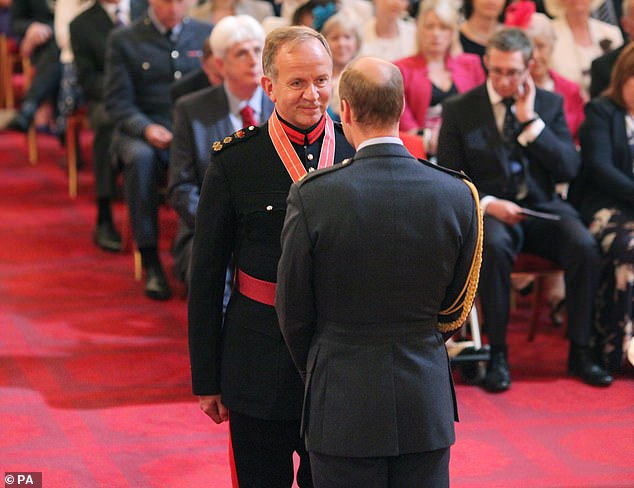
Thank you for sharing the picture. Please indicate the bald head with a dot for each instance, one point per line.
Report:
(373, 88)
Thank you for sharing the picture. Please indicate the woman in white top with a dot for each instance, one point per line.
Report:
(579, 39)
(389, 35)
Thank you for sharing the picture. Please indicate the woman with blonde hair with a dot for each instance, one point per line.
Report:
(437, 71)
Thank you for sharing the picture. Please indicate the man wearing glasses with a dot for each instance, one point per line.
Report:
(512, 140)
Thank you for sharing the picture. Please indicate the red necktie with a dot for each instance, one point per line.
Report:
(248, 116)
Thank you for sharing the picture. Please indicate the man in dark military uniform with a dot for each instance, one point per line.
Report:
(380, 259)
(241, 365)
(141, 63)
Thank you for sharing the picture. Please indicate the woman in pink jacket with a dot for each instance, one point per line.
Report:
(437, 71)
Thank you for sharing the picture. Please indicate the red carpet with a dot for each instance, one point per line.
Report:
(95, 384)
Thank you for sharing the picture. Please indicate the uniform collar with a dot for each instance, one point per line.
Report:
(304, 137)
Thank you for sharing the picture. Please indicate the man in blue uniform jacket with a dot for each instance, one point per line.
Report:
(142, 61)
(241, 364)
(380, 257)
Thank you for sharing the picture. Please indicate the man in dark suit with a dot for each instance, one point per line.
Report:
(380, 256)
(511, 138)
(32, 21)
(601, 68)
(88, 33)
(141, 63)
(240, 363)
(210, 115)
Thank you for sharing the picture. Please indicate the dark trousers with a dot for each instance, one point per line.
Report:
(103, 127)
(144, 167)
(48, 73)
(263, 452)
(416, 470)
(566, 242)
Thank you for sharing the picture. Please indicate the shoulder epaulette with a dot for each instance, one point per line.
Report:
(311, 175)
(457, 174)
(237, 136)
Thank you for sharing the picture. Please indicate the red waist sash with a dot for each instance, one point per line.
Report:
(256, 289)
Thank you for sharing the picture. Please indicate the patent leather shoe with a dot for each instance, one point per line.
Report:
(107, 237)
(156, 284)
(498, 376)
(582, 364)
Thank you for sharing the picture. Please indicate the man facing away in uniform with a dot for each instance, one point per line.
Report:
(380, 258)
(240, 364)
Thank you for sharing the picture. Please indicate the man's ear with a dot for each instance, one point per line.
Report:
(267, 86)
(344, 112)
(219, 64)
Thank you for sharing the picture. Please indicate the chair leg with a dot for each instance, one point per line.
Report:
(31, 140)
(71, 152)
(538, 291)
(138, 266)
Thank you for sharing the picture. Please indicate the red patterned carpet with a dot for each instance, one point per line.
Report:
(94, 383)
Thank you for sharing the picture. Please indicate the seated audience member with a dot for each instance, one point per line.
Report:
(389, 35)
(32, 21)
(313, 13)
(359, 10)
(512, 140)
(210, 115)
(204, 77)
(212, 11)
(483, 19)
(604, 195)
(540, 31)
(142, 61)
(88, 34)
(438, 71)
(344, 39)
(579, 39)
(601, 67)
(70, 95)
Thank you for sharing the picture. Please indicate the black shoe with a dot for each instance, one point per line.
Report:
(20, 123)
(498, 377)
(156, 285)
(582, 364)
(107, 237)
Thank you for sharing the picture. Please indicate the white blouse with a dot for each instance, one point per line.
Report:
(573, 61)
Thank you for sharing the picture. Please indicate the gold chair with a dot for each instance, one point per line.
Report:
(75, 122)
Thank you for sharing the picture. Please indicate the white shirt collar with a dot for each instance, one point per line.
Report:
(380, 140)
(494, 97)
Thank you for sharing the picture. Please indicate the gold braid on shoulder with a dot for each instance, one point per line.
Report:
(467, 294)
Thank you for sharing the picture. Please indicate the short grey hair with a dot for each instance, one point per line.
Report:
(509, 40)
(282, 36)
(233, 29)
